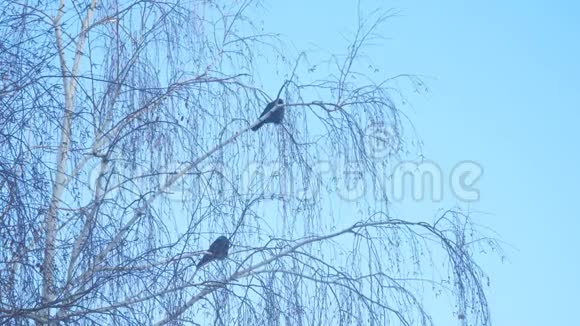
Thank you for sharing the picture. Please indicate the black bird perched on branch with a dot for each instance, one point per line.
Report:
(276, 117)
(217, 250)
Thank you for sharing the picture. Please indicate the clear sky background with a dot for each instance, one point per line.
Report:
(504, 80)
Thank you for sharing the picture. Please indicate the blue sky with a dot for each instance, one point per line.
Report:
(504, 80)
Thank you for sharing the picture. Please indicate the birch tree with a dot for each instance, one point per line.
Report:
(126, 149)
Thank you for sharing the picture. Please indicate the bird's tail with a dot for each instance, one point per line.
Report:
(258, 126)
(204, 260)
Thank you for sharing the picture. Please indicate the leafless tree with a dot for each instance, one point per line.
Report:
(126, 149)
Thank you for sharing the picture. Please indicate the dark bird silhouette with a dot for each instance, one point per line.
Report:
(217, 250)
(276, 117)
